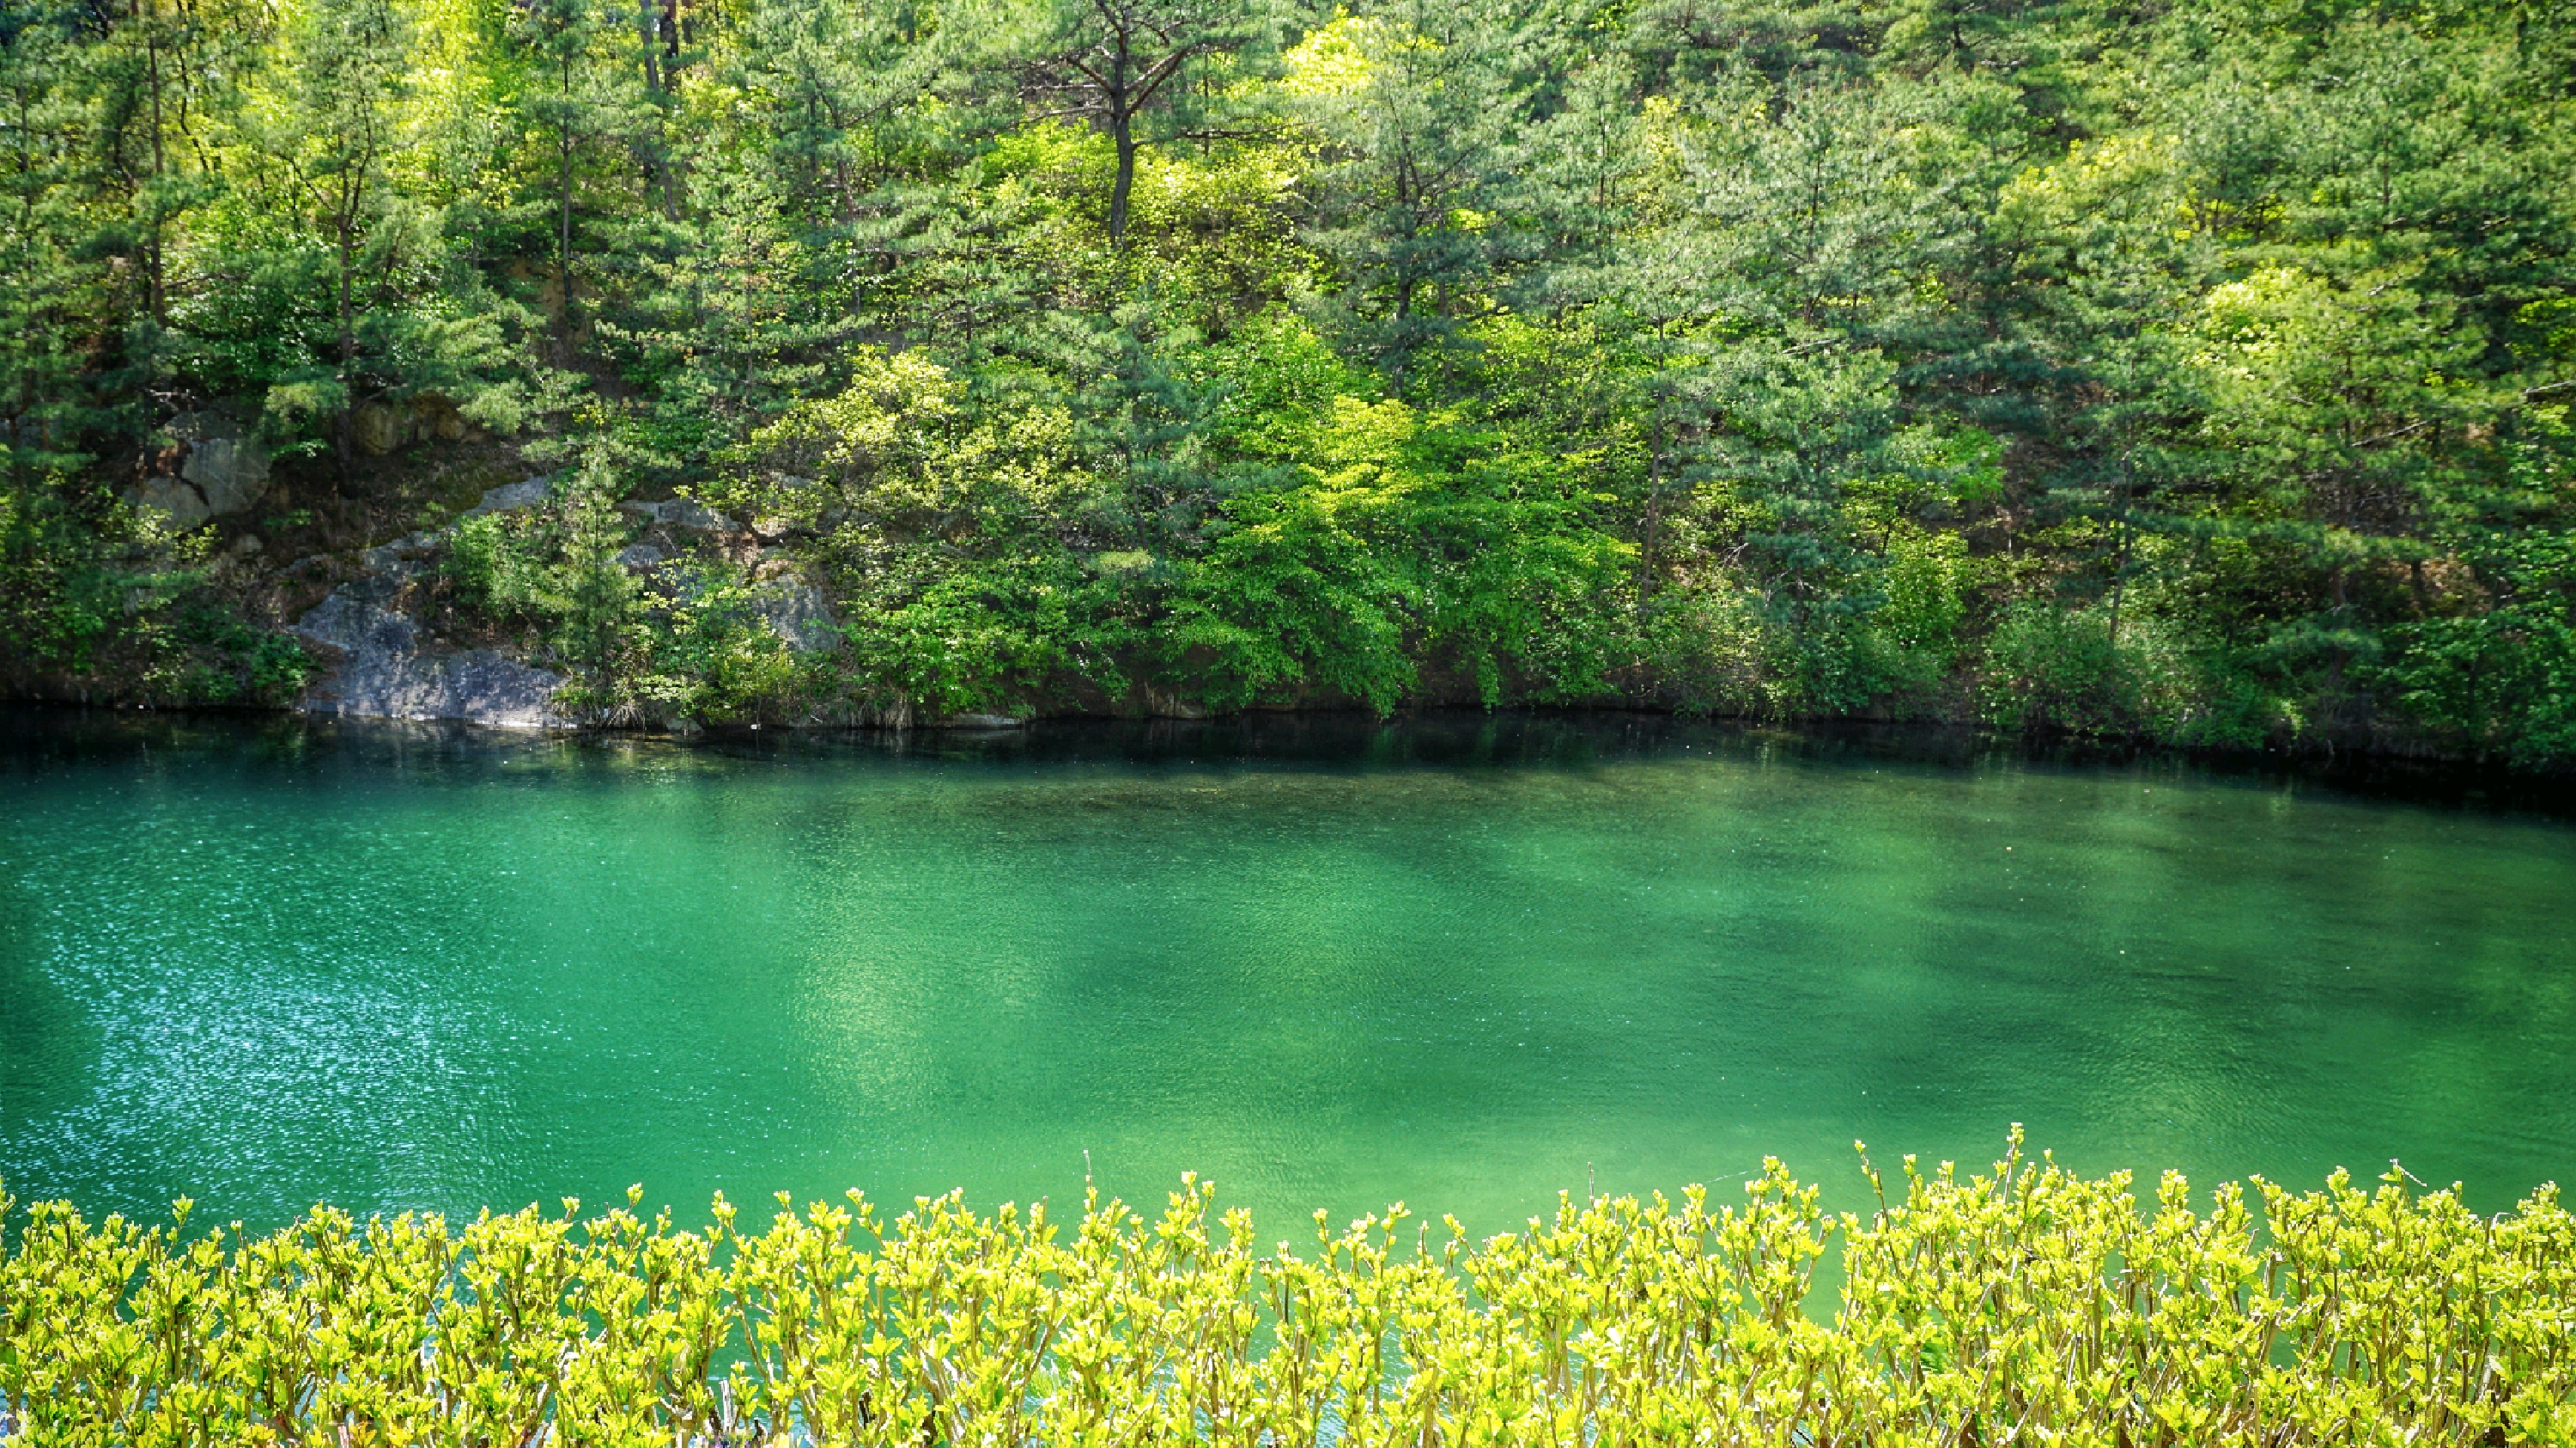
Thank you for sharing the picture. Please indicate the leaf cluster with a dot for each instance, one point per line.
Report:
(2028, 1303)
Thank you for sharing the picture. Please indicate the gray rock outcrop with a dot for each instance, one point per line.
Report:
(381, 426)
(510, 497)
(222, 471)
(385, 664)
(387, 669)
(798, 612)
(179, 502)
(679, 513)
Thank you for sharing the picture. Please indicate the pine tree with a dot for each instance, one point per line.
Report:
(347, 64)
(1114, 63)
(1420, 113)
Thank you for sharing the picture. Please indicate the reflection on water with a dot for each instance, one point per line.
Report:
(1462, 962)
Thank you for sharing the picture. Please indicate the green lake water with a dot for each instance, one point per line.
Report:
(1463, 964)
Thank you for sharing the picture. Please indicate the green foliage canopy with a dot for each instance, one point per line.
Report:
(2198, 373)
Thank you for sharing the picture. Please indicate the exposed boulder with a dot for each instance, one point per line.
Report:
(179, 502)
(386, 669)
(379, 427)
(231, 470)
(355, 620)
(798, 612)
(510, 497)
(475, 686)
(437, 417)
(680, 513)
(385, 556)
(221, 471)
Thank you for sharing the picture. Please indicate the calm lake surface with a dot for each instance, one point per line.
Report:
(1467, 964)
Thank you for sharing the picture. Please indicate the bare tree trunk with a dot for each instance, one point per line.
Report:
(1124, 132)
(154, 284)
(563, 252)
(661, 74)
(348, 343)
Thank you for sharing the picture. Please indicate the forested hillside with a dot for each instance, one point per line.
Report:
(2192, 371)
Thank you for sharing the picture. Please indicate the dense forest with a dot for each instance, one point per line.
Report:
(2196, 371)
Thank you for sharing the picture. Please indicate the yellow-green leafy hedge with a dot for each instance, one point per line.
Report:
(2031, 1305)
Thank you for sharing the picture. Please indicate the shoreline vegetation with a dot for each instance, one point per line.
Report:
(2195, 374)
(2023, 1304)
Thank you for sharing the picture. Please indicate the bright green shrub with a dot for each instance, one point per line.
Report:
(2031, 1305)
(2050, 667)
(1296, 590)
(710, 655)
(2502, 681)
(206, 654)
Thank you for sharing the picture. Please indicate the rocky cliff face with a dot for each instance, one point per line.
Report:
(383, 662)
(388, 668)
(384, 665)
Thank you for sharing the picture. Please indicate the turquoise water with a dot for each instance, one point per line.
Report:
(1466, 965)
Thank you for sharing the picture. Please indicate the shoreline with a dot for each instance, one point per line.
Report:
(1427, 735)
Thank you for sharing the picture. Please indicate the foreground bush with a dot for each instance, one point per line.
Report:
(2032, 1305)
